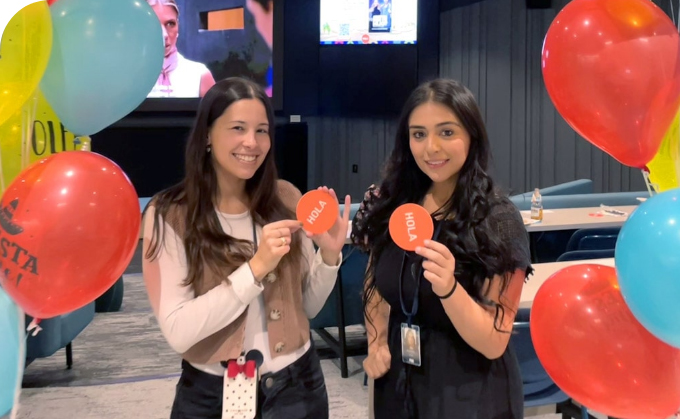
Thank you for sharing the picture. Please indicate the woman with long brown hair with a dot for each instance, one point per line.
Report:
(228, 268)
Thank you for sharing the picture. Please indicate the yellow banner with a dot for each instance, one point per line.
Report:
(32, 133)
(664, 169)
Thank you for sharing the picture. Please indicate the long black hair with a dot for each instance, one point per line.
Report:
(478, 250)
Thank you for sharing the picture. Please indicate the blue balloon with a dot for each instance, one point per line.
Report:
(12, 343)
(106, 57)
(648, 265)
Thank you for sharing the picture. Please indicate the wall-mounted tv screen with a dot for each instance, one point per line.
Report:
(208, 40)
(368, 22)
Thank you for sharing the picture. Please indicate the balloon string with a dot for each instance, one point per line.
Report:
(651, 187)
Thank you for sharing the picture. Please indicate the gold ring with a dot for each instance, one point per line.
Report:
(283, 241)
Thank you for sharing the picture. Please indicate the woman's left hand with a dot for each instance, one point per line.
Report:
(330, 243)
(438, 266)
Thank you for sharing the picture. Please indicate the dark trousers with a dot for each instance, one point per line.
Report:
(296, 392)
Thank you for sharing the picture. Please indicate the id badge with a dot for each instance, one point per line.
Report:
(410, 344)
(240, 389)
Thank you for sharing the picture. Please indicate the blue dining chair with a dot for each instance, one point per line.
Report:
(593, 239)
(538, 387)
(585, 255)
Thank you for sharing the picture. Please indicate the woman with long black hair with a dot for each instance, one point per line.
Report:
(459, 293)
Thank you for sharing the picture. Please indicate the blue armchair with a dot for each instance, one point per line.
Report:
(538, 387)
(112, 299)
(58, 332)
(594, 239)
(586, 255)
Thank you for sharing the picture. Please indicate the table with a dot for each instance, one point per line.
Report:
(573, 219)
(576, 218)
(542, 271)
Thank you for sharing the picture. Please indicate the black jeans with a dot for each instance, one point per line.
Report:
(296, 392)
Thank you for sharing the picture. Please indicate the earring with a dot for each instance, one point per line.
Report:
(208, 149)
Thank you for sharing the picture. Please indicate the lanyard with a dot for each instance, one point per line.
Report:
(254, 235)
(414, 307)
(224, 363)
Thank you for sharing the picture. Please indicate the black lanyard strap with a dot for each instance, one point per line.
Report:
(254, 235)
(414, 306)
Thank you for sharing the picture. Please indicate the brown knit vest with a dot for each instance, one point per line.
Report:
(287, 332)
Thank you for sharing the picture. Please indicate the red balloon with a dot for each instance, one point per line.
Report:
(69, 225)
(612, 69)
(51, 2)
(595, 350)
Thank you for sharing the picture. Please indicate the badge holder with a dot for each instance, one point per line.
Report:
(405, 217)
(241, 380)
(410, 344)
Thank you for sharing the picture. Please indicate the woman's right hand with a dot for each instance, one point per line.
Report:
(274, 244)
(377, 363)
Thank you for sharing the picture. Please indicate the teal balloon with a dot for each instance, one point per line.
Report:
(12, 325)
(106, 57)
(647, 262)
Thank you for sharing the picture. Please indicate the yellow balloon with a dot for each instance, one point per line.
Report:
(664, 169)
(24, 52)
(48, 137)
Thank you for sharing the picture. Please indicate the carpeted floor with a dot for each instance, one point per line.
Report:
(115, 346)
(122, 347)
(123, 368)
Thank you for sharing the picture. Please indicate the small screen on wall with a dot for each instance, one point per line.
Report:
(357, 22)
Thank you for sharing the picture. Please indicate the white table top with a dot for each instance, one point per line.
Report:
(543, 271)
(568, 219)
(575, 218)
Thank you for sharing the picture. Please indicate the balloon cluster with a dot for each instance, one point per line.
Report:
(609, 337)
(69, 219)
(612, 70)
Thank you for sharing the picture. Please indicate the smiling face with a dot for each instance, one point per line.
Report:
(439, 142)
(240, 140)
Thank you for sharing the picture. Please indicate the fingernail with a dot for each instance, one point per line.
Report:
(418, 249)
(426, 242)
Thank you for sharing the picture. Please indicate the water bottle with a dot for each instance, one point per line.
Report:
(536, 206)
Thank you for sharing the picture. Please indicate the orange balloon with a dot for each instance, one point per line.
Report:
(612, 69)
(594, 349)
(69, 225)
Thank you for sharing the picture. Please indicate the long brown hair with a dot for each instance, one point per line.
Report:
(205, 242)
